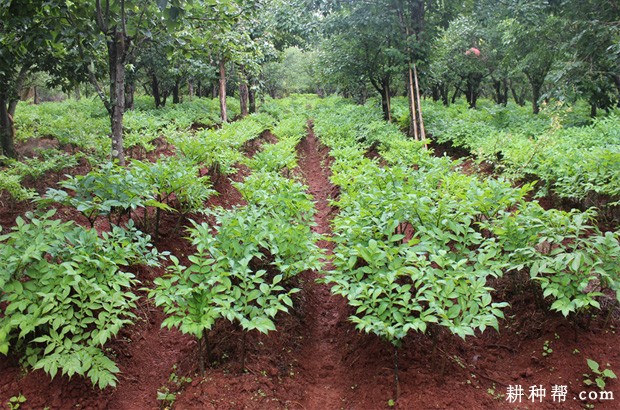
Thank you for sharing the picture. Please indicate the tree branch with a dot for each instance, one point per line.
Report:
(99, 17)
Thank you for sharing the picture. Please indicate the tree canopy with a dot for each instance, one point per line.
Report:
(527, 50)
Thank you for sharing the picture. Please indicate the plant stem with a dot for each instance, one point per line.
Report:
(203, 346)
(243, 352)
(396, 382)
(157, 216)
(609, 314)
(207, 346)
(201, 358)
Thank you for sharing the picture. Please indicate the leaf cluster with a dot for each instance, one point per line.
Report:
(417, 242)
(220, 150)
(66, 294)
(244, 260)
(170, 184)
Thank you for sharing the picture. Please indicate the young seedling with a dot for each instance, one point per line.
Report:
(547, 350)
(598, 377)
(15, 402)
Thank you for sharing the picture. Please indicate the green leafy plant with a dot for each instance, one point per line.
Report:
(241, 268)
(50, 160)
(175, 185)
(438, 274)
(547, 350)
(108, 191)
(66, 294)
(576, 159)
(45, 161)
(11, 183)
(599, 377)
(409, 254)
(166, 397)
(167, 394)
(171, 185)
(16, 402)
(219, 150)
(565, 253)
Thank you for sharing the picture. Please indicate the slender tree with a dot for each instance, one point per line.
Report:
(30, 34)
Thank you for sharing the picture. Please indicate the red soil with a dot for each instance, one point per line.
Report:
(317, 360)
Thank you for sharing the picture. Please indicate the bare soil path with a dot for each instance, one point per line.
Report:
(321, 356)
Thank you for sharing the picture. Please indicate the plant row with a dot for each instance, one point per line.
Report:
(574, 156)
(220, 150)
(246, 257)
(67, 293)
(418, 244)
(66, 289)
(83, 127)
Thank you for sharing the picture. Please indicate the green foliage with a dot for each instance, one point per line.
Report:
(408, 254)
(243, 263)
(15, 402)
(281, 155)
(438, 275)
(66, 294)
(601, 377)
(167, 394)
(82, 124)
(295, 72)
(11, 183)
(170, 184)
(174, 184)
(219, 150)
(574, 160)
(48, 161)
(572, 260)
(418, 241)
(286, 108)
(106, 191)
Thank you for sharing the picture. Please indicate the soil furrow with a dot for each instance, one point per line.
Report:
(321, 356)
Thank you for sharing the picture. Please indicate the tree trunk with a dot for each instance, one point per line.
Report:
(7, 129)
(130, 89)
(419, 106)
(617, 82)
(116, 56)
(243, 92)
(536, 87)
(175, 93)
(8, 104)
(456, 94)
(445, 94)
(473, 89)
(244, 98)
(518, 99)
(497, 86)
(199, 89)
(385, 104)
(413, 123)
(252, 97)
(223, 113)
(155, 90)
(593, 110)
(385, 101)
(190, 89)
(435, 93)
